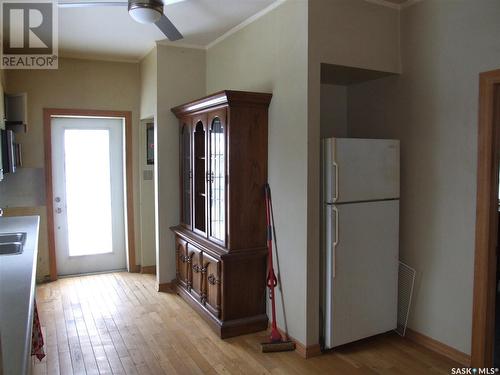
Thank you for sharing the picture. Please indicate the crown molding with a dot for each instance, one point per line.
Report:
(95, 57)
(147, 53)
(247, 22)
(179, 45)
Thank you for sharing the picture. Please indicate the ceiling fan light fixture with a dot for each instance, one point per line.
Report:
(145, 11)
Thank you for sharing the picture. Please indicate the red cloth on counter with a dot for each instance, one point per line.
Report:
(37, 337)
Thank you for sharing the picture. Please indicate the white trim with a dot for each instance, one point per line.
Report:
(147, 53)
(170, 44)
(247, 22)
(92, 56)
(179, 45)
(207, 103)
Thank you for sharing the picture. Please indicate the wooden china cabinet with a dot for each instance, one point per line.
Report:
(221, 240)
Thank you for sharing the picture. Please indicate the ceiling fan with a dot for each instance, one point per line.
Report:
(143, 11)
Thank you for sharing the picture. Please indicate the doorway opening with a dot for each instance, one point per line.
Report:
(483, 346)
(89, 198)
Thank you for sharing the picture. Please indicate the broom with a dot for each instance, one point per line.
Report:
(276, 343)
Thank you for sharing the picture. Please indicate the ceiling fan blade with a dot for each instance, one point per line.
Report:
(89, 4)
(168, 28)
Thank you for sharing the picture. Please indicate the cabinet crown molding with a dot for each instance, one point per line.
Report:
(225, 97)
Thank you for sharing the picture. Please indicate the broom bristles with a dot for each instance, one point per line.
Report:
(280, 346)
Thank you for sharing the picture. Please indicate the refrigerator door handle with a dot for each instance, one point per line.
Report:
(336, 242)
(336, 182)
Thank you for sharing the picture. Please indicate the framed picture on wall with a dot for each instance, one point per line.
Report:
(150, 143)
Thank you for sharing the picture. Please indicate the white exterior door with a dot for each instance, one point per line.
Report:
(88, 186)
(361, 270)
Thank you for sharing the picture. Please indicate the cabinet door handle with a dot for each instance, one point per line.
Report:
(213, 280)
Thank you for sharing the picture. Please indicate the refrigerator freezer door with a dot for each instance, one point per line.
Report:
(357, 170)
(361, 300)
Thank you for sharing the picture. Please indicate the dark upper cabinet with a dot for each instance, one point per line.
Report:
(16, 109)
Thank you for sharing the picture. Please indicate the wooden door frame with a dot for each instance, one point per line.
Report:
(485, 258)
(48, 113)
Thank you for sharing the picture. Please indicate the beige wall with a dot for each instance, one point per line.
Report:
(433, 109)
(149, 86)
(333, 107)
(80, 84)
(181, 78)
(271, 56)
(149, 77)
(353, 33)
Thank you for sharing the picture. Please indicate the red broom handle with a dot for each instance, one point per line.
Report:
(271, 277)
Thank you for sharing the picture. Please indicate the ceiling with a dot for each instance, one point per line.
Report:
(110, 33)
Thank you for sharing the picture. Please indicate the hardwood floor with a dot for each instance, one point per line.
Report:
(118, 324)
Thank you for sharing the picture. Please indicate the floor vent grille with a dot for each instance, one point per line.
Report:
(406, 282)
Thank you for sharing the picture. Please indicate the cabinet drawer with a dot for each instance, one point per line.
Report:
(211, 294)
(196, 271)
(182, 260)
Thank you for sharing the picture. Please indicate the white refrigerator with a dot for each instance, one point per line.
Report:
(360, 238)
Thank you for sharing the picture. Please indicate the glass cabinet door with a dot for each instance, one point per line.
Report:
(200, 176)
(217, 176)
(186, 174)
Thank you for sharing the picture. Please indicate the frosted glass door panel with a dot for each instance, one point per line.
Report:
(83, 193)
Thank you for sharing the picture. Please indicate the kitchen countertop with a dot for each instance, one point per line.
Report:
(17, 292)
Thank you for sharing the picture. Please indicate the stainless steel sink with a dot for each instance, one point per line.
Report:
(12, 243)
(12, 237)
(11, 248)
